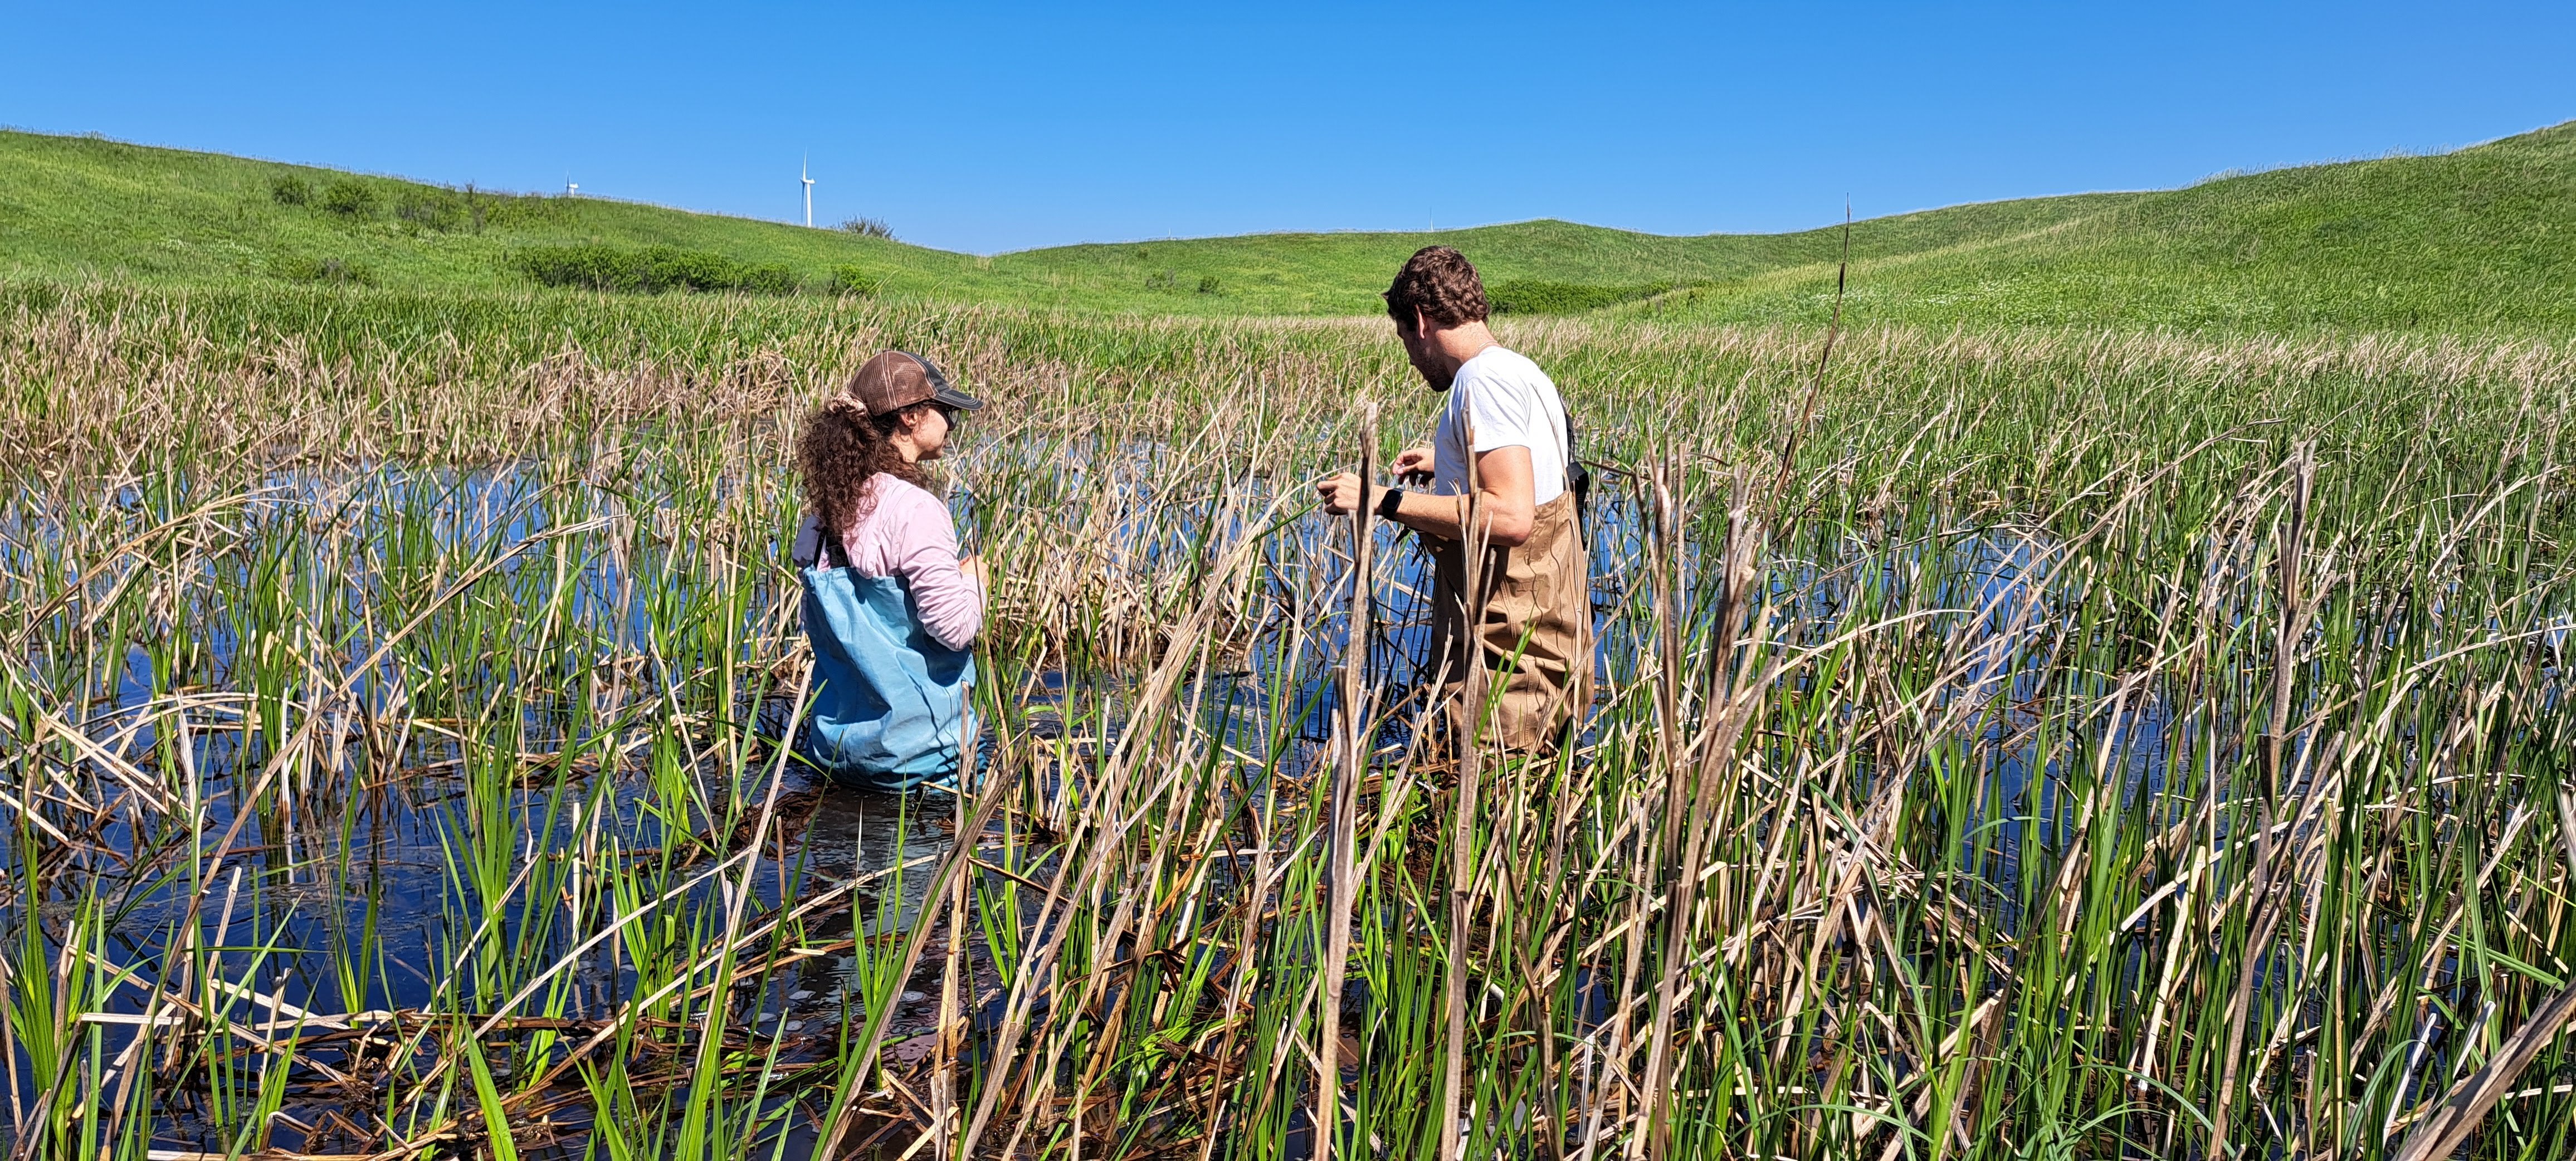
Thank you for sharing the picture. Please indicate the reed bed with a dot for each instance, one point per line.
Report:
(2089, 745)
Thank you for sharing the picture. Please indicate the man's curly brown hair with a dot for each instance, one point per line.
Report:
(1442, 284)
(841, 450)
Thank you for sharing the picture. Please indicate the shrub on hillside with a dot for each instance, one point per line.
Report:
(869, 228)
(651, 270)
(854, 280)
(323, 271)
(508, 210)
(349, 199)
(429, 210)
(764, 278)
(1209, 285)
(1532, 297)
(287, 189)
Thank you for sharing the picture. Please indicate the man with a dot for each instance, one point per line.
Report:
(1529, 621)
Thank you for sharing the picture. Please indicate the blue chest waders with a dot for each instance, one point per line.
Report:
(890, 709)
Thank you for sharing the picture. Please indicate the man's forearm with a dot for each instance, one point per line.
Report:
(1446, 516)
(1433, 515)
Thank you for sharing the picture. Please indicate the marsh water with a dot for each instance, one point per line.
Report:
(346, 896)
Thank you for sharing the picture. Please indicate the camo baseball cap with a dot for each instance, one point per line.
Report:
(895, 380)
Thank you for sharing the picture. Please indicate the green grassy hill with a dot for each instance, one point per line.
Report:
(80, 206)
(2480, 239)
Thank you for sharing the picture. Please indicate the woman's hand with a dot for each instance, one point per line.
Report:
(973, 567)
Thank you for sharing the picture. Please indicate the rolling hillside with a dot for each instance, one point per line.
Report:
(2480, 239)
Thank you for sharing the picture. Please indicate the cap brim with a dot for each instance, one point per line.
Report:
(955, 398)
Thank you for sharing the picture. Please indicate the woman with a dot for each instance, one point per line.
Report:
(889, 608)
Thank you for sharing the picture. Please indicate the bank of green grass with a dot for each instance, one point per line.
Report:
(2475, 240)
(81, 208)
(2480, 239)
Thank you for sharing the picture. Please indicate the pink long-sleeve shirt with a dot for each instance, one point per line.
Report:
(909, 534)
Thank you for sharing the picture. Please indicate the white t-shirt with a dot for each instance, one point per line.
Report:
(1510, 403)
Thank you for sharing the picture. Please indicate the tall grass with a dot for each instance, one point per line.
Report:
(2101, 745)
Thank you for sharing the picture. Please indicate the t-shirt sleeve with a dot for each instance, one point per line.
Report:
(924, 554)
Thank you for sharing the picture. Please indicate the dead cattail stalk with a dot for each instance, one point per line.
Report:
(1671, 873)
(2467, 1103)
(1816, 382)
(2293, 546)
(1353, 751)
(1470, 651)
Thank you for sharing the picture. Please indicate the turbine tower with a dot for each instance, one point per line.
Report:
(809, 193)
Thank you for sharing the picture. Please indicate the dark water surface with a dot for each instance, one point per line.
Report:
(338, 900)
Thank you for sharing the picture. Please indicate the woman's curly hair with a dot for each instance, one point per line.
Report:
(840, 451)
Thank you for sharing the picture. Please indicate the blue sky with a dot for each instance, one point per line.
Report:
(997, 127)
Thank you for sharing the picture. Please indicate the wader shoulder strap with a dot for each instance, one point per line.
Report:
(812, 547)
(1578, 479)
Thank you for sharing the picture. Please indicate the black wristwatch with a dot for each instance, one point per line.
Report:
(1388, 501)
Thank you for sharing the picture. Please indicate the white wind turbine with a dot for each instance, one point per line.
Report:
(809, 193)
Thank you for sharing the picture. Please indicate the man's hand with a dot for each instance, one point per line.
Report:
(1343, 494)
(1415, 464)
